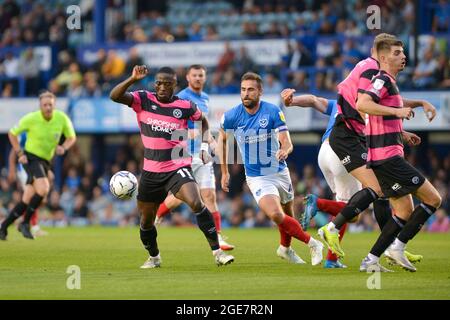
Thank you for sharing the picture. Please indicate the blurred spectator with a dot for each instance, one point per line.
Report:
(69, 77)
(249, 218)
(440, 223)
(443, 71)
(134, 59)
(273, 31)
(352, 29)
(271, 84)
(351, 54)
(10, 65)
(75, 89)
(29, 69)
(441, 18)
(98, 64)
(67, 200)
(80, 213)
(226, 59)
(91, 88)
(425, 72)
(211, 33)
(230, 83)
(243, 62)
(73, 179)
(180, 33)
(298, 55)
(114, 66)
(195, 32)
(7, 91)
(56, 216)
(118, 28)
(100, 207)
(250, 30)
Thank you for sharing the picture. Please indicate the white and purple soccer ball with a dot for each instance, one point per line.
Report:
(123, 185)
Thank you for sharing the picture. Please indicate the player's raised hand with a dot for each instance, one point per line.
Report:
(139, 72)
(287, 95)
(430, 110)
(403, 113)
(225, 181)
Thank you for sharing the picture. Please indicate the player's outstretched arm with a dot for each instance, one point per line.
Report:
(222, 154)
(366, 104)
(119, 94)
(428, 108)
(304, 100)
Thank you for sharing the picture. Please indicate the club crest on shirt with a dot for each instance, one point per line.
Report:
(378, 84)
(177, 113)
(263, 122)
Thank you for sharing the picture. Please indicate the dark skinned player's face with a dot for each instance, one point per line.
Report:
(165, 86)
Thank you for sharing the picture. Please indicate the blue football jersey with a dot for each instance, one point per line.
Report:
(202, 101)
(256, 137)
(332, 112)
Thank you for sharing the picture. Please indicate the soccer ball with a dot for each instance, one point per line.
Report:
(123, 185)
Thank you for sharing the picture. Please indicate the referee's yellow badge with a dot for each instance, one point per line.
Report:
(282, 118)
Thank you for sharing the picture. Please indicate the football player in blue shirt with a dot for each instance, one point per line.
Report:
(264, 142)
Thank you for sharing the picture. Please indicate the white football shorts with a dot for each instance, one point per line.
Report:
(203, 174)
(342, 183)
(278, 184)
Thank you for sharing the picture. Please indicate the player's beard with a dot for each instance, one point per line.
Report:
(250, 104)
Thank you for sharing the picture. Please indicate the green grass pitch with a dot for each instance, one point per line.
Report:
(109, 260)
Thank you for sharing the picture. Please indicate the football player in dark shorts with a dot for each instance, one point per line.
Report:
(162, 119)
(398, 179)
(348, 141)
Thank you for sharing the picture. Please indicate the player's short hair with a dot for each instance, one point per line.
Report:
(167, 70)
(386, 44)
(196, 67)
(381, 37)
(46, 94)
(253, 76)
